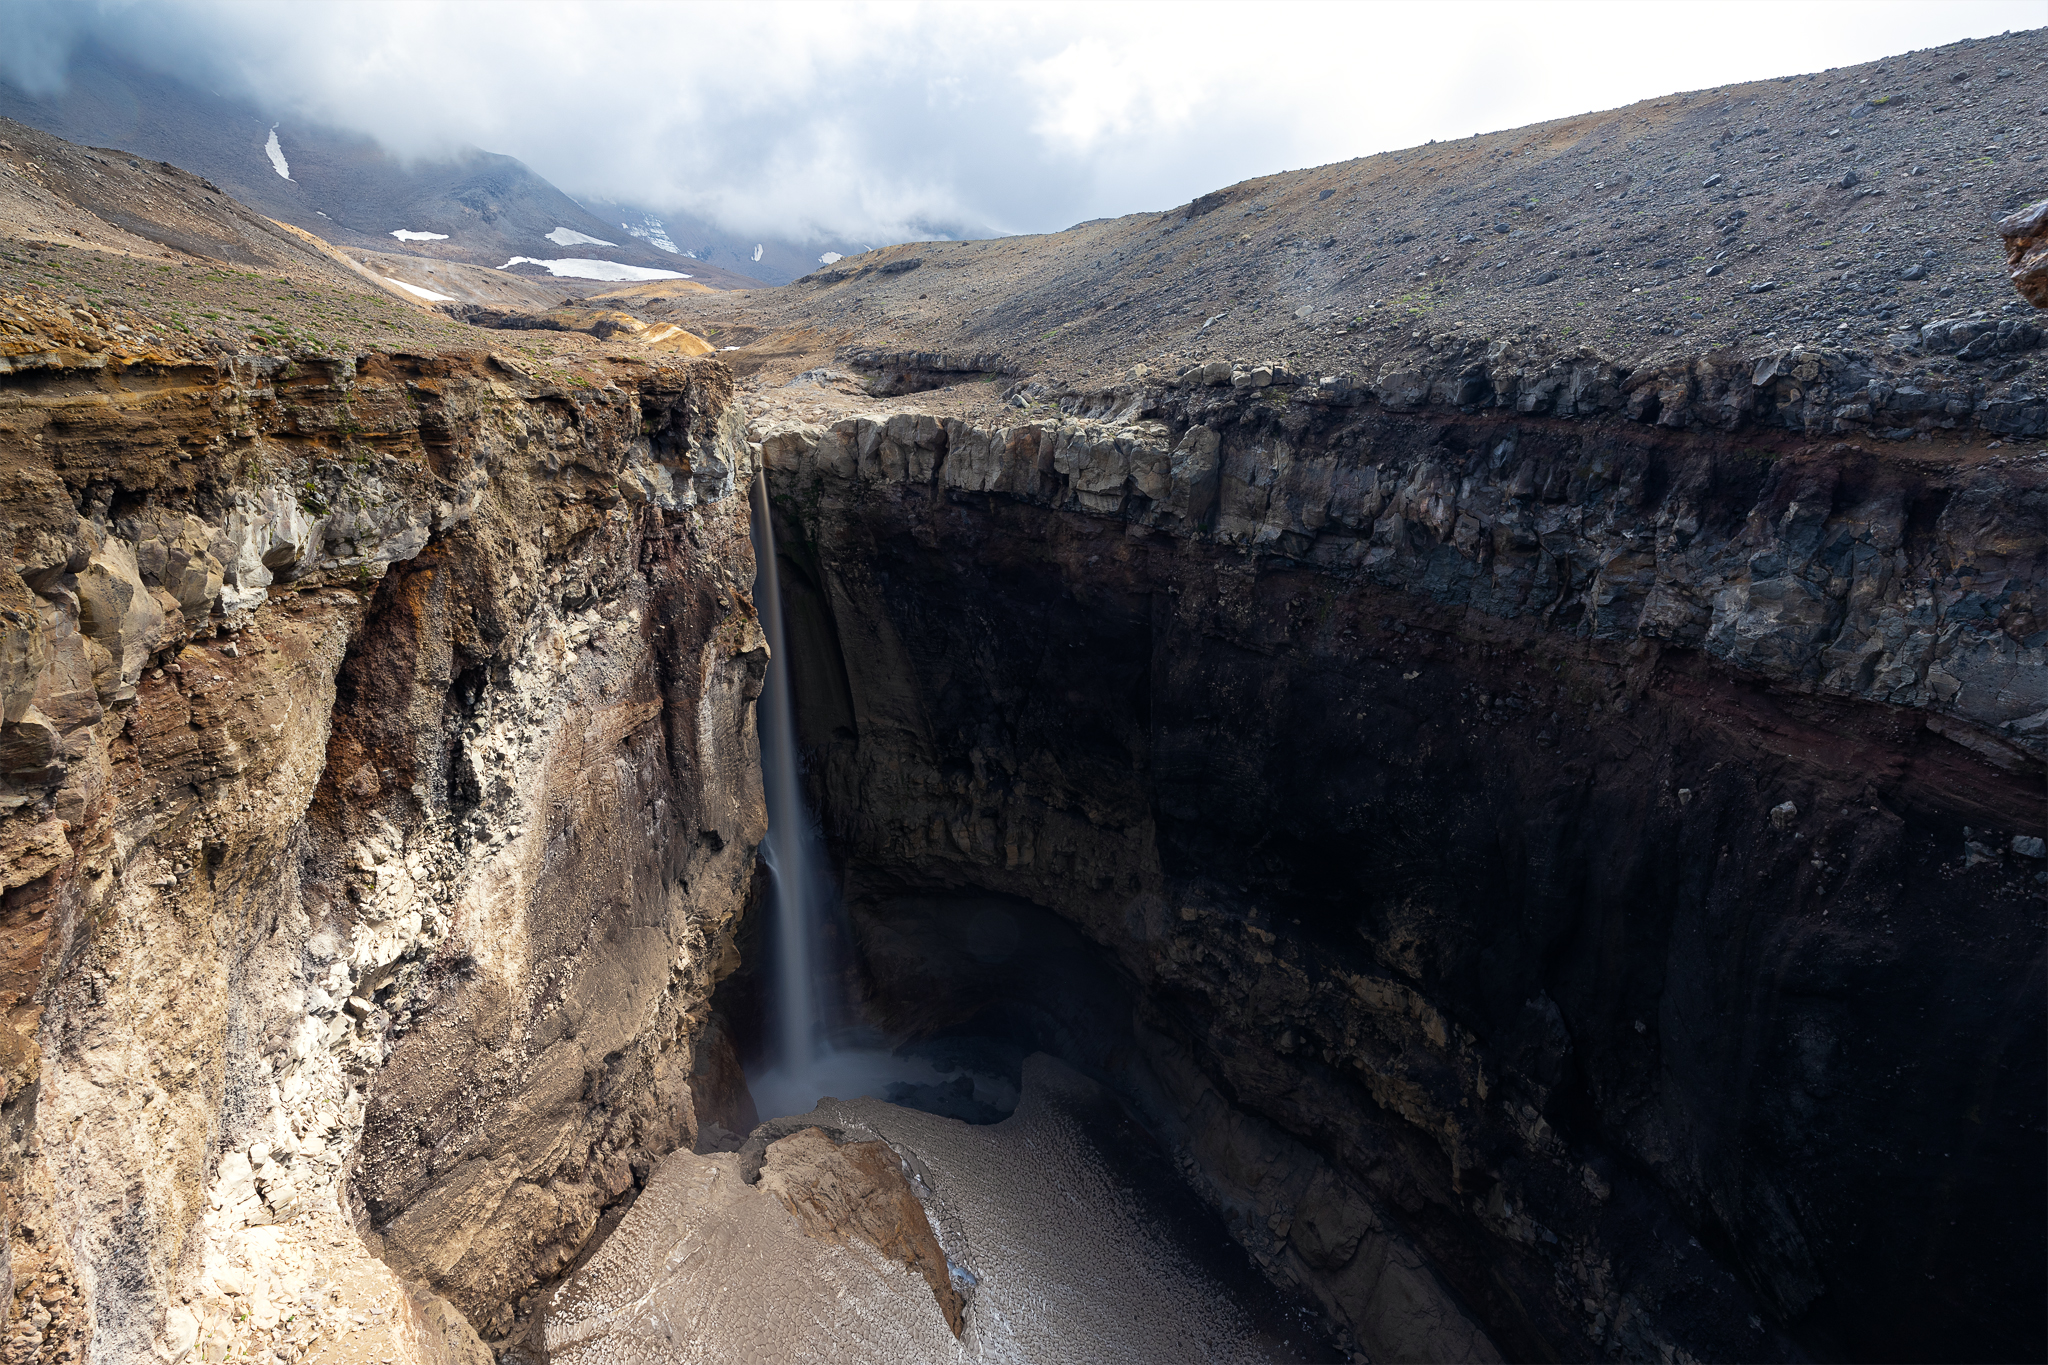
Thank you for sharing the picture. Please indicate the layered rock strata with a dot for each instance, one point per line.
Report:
(1812, 390)
(1578, 878)
(1797, 564)
(379, 792)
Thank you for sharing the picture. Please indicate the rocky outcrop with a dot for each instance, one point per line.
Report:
(837, 1191)
(1827, 568)
(1809, 390)
(2026, 251)
(1575, 876)
(379, 792)
(891, 373)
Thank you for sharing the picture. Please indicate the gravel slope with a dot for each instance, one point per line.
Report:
(1837, 208)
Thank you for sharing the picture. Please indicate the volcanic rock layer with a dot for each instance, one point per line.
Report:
(1589, 870)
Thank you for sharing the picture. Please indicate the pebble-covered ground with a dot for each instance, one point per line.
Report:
(1837, 208)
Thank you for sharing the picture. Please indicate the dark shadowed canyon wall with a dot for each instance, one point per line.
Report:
(1580, 882)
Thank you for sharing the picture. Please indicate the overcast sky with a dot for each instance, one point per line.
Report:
(885, 122)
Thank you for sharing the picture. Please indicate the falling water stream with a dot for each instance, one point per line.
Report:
(1081, 1187)
(815, 1045)
(796, 867)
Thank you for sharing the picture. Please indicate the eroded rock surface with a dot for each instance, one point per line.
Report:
(856, 1189)
(379, 792)
(1795, 564)
(2026, 251)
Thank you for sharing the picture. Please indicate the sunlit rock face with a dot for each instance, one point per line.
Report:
(1561, 879)
(379, 792)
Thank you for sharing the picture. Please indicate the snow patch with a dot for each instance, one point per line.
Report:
(429, 295)
(653, 232)
(830, 257)
(404, 235)
(757, 251)
(580, 268)
(275, 152)
(562, 236)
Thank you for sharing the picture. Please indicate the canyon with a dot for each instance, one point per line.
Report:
(1537, 850)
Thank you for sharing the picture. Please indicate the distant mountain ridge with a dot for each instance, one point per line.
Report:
(480, 208)
(775, 261)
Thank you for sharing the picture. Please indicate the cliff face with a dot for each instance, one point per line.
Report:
(379, 792)
(1574, 879)
(1548, 833)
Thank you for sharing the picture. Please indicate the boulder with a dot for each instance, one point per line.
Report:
(2026, 251)
(838, 1193)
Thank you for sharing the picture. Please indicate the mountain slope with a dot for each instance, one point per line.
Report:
(53, 193)
(482, 209)
(164, 259)
(1839, 209)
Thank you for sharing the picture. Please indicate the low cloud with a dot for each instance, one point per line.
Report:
(881, 123)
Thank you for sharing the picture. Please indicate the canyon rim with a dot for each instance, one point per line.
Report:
(1463, 729)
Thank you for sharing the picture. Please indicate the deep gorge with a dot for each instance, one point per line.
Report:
(1555, 889)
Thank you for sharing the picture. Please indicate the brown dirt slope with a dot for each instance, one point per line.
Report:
(151, 265)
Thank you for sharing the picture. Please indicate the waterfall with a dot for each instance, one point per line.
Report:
(803, 897)
(815, 1045)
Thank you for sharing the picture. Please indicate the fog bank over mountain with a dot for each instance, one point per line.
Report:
(887, 123)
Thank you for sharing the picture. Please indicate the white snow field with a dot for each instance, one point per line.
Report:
(429, 295)
(562, 236)
(275, 151)
(653, 232)
(583, 268)
(404, 235)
